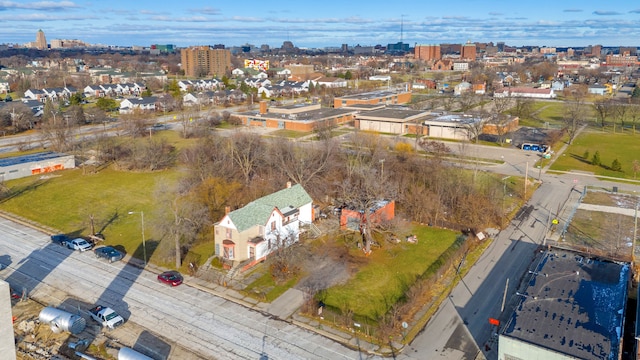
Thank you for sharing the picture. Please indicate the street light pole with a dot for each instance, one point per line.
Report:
(144, 245)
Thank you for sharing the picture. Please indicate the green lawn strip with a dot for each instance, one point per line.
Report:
(624, 147)
(389, 273)
(66, 199)
(289, 133)
(449, 281)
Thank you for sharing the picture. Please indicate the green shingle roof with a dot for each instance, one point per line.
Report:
(257, 212)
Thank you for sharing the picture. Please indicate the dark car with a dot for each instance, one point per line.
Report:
(108, 253)
(172, 278)
(60, 239)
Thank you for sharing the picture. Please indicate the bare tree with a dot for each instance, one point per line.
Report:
(634, 114)
(246, 150)
(619, 111)
(574, 111)
(603, 109)
(302, 163)
(467, 100)
(16, 117)
(523, 107)
(501, 104)
(179, 217)
(57, 130)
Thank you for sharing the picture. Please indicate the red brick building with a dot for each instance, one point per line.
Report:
(428, 52)
(352, 219)
(468, 51)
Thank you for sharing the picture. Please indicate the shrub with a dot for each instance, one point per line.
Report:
(586, 155)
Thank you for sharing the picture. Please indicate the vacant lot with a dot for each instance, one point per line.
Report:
(384, 277)
(602, 233)
(623, 147)
(67, 200)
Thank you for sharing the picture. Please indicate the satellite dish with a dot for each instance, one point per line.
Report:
(405, 325)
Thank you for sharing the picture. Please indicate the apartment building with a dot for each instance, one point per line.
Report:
(200, 61)
(428, 52)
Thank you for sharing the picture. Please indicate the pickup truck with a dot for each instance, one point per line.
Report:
(106, 317)
(79, 244)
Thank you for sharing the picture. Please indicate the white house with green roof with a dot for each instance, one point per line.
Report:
(247, 235)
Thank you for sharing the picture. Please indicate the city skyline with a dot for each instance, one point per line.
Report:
(569, 23)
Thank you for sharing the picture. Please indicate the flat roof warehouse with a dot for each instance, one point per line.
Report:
(573, 305)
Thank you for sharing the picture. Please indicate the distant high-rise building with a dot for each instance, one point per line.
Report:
(500, 46)
(427, 52)
(203, 60)
(596, 50)
(41, 40)
(397, 48)
(164, 48)
(468, 51)
(628, 51)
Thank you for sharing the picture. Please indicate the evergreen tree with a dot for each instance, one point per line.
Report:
(595, 160)
(616, 166)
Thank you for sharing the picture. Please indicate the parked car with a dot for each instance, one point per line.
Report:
(109, 253)
(79, 244)
(60, 239)
(172, 278)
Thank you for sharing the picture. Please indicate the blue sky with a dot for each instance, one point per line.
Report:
(324, 23)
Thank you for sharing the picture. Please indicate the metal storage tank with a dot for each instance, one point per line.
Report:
(129, 354)
(61, 320)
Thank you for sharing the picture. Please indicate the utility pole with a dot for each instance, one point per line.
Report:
(526, 179)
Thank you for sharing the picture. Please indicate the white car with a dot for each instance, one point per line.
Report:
(79, 244)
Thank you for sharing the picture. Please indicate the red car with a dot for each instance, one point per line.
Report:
(172, 278)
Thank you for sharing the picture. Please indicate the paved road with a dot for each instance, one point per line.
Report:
(194, 319)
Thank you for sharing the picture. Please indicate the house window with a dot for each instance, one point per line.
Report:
(229, 234)
(273, 226)
(269, 244)
(228, 253)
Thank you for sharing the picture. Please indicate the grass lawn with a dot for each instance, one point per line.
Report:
(289, 133)
(391, 270)
(624, 147)
(266, 289)
(544, 111)
(67, 198)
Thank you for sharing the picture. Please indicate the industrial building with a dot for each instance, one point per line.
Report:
(297, 117)
(573, 307)
(34, 164)
(388, 97)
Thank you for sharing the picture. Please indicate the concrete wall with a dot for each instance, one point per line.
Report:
(37, 167)
(514, 349)
(7, 340)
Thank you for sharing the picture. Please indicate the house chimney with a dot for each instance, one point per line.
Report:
(227, 210)
(288, 184)
(263, 107)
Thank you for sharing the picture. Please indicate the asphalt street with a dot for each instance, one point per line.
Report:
(190, 317)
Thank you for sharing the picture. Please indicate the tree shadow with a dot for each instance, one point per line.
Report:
(109, 221)
(581, 159)
(24, 189)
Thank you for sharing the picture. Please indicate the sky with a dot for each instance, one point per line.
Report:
(325, 23)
